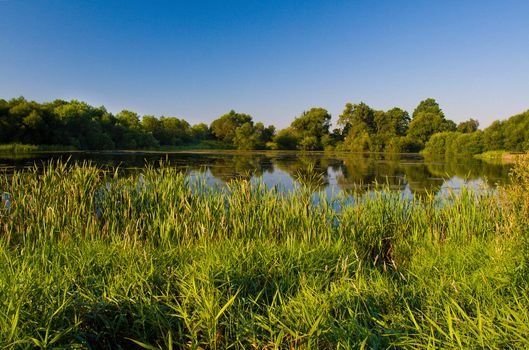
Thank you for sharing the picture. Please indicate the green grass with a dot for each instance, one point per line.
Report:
(23, 148)
(501, 157)
(17, 147)
(93, 259)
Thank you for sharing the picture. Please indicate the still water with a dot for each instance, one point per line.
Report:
(412, 174)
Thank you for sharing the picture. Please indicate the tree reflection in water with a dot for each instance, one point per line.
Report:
(351, 173)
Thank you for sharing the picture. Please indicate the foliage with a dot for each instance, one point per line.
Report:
(200, 131)
(77, 125)
(510, 135)
(224, 127)
(249, 136)
(308, 132)
(238, 130)
(365, 129)
(516, 133)
(285, 139)
(468, 126)
(94, 259)
(455, 144)
(428, 119)
(358, 123)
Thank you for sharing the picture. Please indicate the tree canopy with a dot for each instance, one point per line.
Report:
(428, 119)
(360, 128)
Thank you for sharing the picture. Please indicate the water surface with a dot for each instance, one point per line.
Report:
(412, 174)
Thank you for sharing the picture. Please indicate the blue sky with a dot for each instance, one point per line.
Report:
(271, 59)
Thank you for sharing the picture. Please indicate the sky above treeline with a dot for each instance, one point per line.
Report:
(271, 59)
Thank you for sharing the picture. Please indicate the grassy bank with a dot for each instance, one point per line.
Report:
(94, 260)
(501, 156)
(24, 148)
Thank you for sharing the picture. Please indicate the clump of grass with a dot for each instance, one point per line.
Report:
(91, 258)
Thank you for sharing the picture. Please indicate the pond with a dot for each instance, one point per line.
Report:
(412, 174)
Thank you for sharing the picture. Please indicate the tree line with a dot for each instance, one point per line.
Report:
(510, 135)
(360, 128)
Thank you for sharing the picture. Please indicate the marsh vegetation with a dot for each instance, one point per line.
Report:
(93, 258)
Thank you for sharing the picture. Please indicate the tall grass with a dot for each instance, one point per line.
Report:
(93, 259)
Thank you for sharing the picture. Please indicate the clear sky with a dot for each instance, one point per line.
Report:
(271, 59)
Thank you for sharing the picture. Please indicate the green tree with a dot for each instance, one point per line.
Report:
(34, 127)
(309, 143)
(246, 137)
(250, 137)
(285, 139)
(428, 119)
(357, 119)
(396, 122)
(467, 144)
(493, 137)
(200, 132)
(455, 144)
(128, 120)
(516, 133)
(224, 127)
(437, 144)
(174, 131)
(358, 124)
(314, 123)
(468, 126)
(151, 124)
(81, 123)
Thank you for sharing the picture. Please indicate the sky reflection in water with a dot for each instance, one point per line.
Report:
(333, 173)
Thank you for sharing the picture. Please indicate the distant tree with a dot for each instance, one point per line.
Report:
(34, 127)
(455, 144)
(437, 144)
(396, 122)
(224, 127)
(428, 119)
(389, 125)
(268, 133)
(77, 124)
(285, 139)
(493, 137)
(174, 131)
(429, 105)
(128, 120)
(309, 143)
(313, 123)
(358, 124)
(467, 144)
(468, 126)
(251, 137)
(403, 144)
(244, 137)
(81, 124)
(200, 132)
(516, 133)
(310, 128)
(5, 126)
(357, 119)
(151, 124)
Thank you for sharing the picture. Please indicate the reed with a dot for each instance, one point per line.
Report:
(92, 258)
